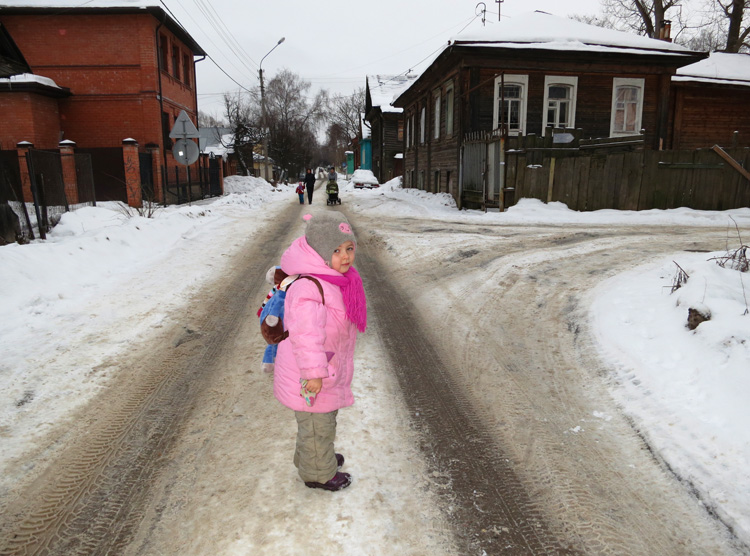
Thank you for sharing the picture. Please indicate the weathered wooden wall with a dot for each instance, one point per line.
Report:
(639, 180)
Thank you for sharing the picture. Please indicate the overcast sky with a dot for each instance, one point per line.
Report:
(333, 44)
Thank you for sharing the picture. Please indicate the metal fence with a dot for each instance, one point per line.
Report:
(15, 224)
(48, 186)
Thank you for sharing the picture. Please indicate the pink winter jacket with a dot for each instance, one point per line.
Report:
(321, 339)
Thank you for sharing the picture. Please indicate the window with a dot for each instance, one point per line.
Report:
(186, 69)
(627, 106)
(436, 117)
(420, 185)
(164, 52)
(449, 110)
(422, 124)
(510, 103)
(560, 101)
(165, 129)
(400, 130)
(436, 183)
(176, 62)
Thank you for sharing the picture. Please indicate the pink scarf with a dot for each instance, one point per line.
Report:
(353, 293)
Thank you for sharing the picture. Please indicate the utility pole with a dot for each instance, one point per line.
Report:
(499, 8)
(263, 111)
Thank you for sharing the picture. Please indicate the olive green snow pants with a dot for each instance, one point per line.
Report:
(314, 457)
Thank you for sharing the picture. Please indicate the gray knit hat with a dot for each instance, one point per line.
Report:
(326, 231)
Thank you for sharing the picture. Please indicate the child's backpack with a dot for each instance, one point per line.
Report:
(272, 310)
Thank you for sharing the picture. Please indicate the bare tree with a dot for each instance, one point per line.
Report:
(243, 115)
(738, 29)
(645, 17)
(210, 120)
(292, 118)
(346, 110)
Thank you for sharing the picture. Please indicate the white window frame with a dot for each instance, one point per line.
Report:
(569, 80)
(422, 124)
(408, 134)
(523, 81)
(638, 83)
(450, 102)
(436, 117)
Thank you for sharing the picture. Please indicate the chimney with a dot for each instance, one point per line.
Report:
(665, 31)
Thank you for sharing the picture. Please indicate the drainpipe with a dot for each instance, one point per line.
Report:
(161, 112)
(195, 96)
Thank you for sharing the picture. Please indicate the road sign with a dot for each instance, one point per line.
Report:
(185, 151)
(183, 127)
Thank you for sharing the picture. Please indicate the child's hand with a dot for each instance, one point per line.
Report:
(314, 385)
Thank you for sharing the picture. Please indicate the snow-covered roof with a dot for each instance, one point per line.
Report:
(30, 78)
(385, 88)
(551, 32)
(719, 67)
(79, 4)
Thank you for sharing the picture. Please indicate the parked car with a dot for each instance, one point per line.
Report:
(364, 179)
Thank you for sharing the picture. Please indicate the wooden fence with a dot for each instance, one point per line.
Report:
(617, 174)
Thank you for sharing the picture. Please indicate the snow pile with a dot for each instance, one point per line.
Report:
(686, 390)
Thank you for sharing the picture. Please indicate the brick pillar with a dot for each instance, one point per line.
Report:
(158, 176)
(70, 178)
(132, 172)
(22, 149)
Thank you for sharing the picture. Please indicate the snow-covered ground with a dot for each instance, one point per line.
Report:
(72, 303)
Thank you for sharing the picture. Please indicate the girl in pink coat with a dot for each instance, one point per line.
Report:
(315, 364)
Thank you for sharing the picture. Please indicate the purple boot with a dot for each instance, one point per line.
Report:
(339, 461)
(339, 481)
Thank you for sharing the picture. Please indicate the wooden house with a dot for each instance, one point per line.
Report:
(711, 103)
(527, 74)
(386, 123)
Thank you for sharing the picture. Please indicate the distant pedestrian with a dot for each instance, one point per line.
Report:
(301, 192)
(310, 184)
(315, 363)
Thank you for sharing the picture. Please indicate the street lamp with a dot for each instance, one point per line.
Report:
(263, 109)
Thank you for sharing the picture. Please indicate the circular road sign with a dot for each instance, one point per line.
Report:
(185, 151)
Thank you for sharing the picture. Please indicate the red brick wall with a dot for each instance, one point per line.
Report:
(109, 63)
(29, 117)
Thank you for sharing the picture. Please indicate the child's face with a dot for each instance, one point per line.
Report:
(343, 257)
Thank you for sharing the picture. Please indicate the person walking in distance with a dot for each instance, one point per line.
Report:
(310, 184)
(301, 192)
(315, 363)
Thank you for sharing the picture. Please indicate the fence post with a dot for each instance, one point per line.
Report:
(551, 180)
(156, 173)
(132, 173)
(22, 149)
(68, 163)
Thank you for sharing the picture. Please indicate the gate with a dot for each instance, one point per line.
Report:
(482, 170)
(147, 177)
(214, 177)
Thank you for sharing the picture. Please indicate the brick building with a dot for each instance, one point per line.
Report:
(103, 73)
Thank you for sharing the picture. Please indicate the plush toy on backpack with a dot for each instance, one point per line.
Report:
(271, 313)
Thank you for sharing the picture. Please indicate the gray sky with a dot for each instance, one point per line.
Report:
(333, 44)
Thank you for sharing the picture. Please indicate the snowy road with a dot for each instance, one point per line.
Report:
(491, 431)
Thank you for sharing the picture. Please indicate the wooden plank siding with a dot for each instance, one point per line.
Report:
(704, 115)
(638, 180)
